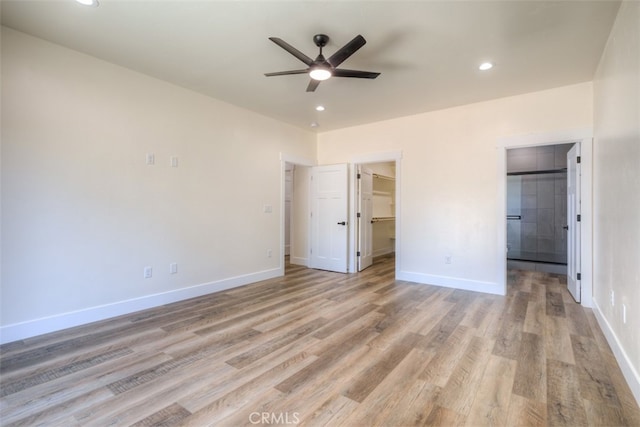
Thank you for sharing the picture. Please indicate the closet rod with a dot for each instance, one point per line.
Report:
(561, 170)
(383, 218)
(388, 178)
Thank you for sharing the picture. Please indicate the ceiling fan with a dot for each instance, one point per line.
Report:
(320, 69)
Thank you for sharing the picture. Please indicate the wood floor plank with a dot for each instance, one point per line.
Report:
(372, 375)
(595, 382)
(531, 379)
(331, 349)
(491, 404)
(557, 340)
(171, 415)
(526, 412)
(564, 403)
(388, 398)
(555, 304)
(440, 368)
(461, 388)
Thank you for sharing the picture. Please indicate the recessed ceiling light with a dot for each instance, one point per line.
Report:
(92, 3)
(314, 125)
(485, 66)
(320, 108)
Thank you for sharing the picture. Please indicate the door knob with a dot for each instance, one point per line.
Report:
(342, 223)
(566, 227)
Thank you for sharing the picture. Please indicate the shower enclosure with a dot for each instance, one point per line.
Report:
(537, 208)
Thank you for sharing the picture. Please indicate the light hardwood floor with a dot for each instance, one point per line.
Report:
(320, 348)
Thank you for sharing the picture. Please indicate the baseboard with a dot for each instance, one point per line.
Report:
(383, 251)
(451, 282)
(32, 328)
(628, 370)
(299, 261)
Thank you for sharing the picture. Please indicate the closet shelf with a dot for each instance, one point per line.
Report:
(538, 172)
(382, 193)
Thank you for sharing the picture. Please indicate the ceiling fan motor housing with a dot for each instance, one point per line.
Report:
(321, 40)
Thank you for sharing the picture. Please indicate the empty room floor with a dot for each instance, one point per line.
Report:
(321, 348)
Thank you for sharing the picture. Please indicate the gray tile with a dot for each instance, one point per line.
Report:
(529, 185)
(560, 155)
(545, 222)
(545, 149)
(545, 196)
(560, 185)
(521, 163)
(529, 202)
(551, 268)
(529, 215)
(546, 245)
(545, 160)
(529, 244)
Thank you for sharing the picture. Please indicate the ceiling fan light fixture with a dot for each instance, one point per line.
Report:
(91, 3)
(320, 73)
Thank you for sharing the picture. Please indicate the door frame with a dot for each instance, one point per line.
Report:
(362, 159)
(583, 137)
(297, 161)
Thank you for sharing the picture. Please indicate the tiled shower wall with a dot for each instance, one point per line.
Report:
(542, 203)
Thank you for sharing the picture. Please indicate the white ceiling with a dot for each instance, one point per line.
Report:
(427, 51)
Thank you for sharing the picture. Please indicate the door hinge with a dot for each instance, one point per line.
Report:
(358, 215)
(358, 253)
(358, 176)
(578, 159)
(579, 218)
(579, 276)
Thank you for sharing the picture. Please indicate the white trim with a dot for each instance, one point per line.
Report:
(32, 328)
(299, 261)
(628, 371)
(451, 282)
(382, 251)
(585, 138)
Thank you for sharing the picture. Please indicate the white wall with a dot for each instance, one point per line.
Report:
(617, 191)
(82, 213)
(449, 178)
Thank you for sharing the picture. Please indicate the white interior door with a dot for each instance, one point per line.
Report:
(573, 222)
(329, 214)
(365, 214)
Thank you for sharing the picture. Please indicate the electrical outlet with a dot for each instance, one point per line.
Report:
(613, 299)
(173, 268)
(150, 159)
(269, 253)
(148, 272)
(447, 259)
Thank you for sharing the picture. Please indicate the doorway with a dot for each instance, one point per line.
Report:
(543, 211)
(376, 213)
(295, 216)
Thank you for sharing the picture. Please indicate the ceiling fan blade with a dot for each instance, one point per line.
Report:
(286, 73)
(346, 51)
(292, 50)
(313, 84)
(355, 73)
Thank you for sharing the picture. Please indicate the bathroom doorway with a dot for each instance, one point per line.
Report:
(537, 208)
